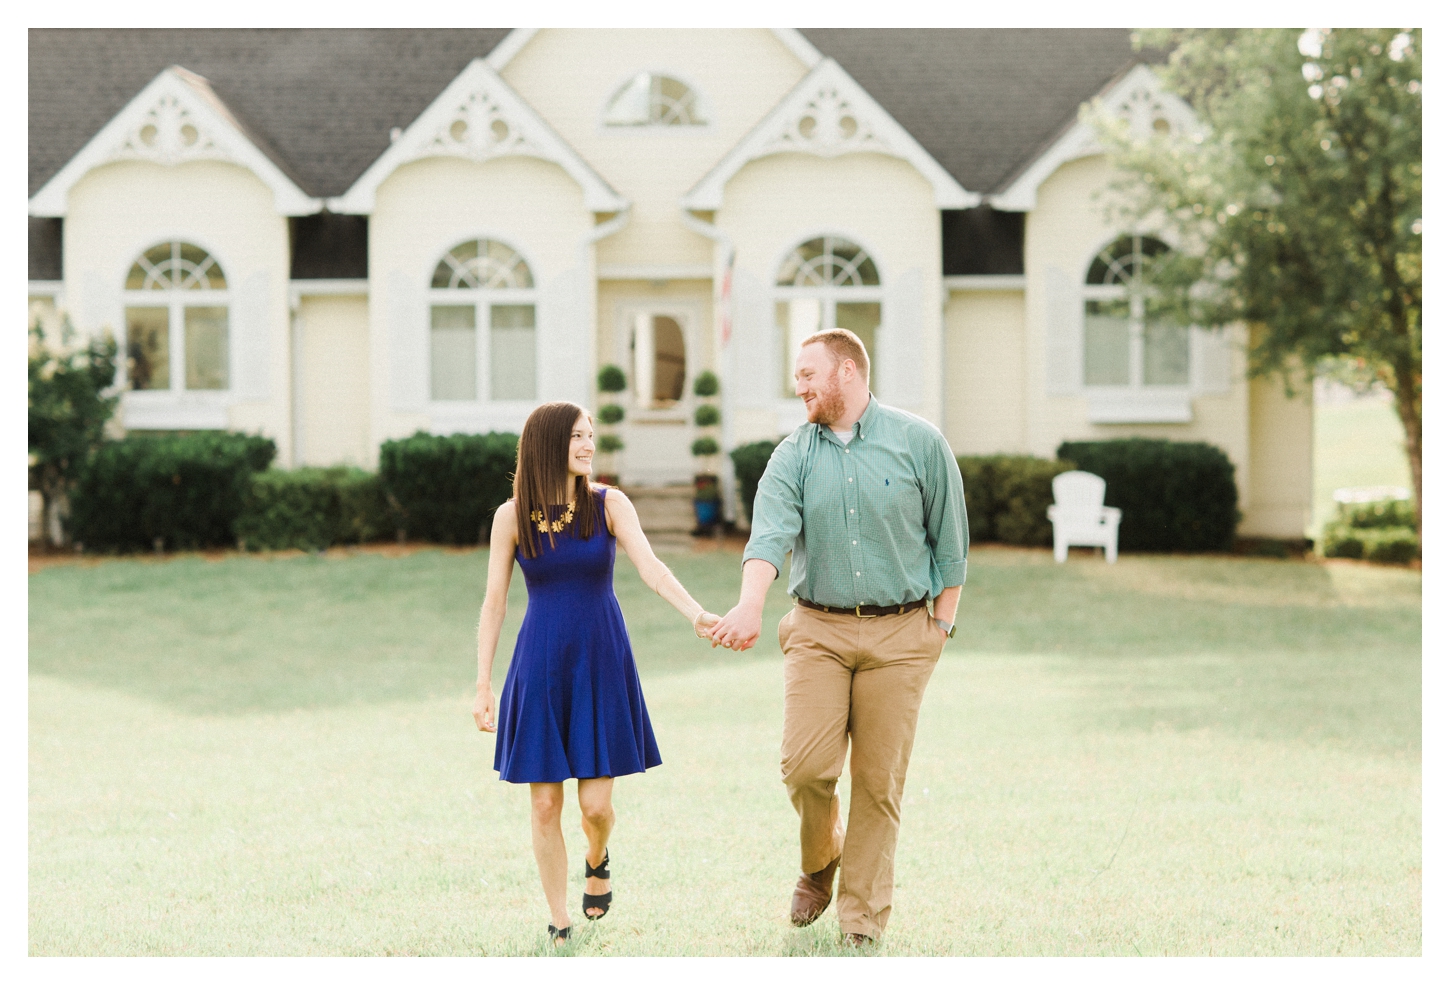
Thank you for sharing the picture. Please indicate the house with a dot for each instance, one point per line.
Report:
(338, 237)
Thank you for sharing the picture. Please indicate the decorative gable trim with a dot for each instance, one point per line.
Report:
(177, 118)
(809, 55)
(1138, 96)
(828, 114)
(478, 117)
(512, 43)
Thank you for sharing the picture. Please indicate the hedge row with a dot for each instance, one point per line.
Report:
(166, 491)
(214, 489)
(1380, 531)
(1008, 496)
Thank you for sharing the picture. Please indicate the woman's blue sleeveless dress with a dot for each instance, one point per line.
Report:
(571, 704)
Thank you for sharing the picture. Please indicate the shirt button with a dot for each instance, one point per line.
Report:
(853, 511)
(858, 574)
(851, 480)
(853, 543)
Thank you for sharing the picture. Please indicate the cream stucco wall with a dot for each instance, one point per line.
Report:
(1281, 492)
(119, 210)
(985, 385)
(569, 76)
(879, 202)
(331, 374)
(425, 209)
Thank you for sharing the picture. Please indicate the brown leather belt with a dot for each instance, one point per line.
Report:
(865, 610)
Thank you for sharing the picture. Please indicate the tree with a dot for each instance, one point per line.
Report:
(1297, 207)
(69, 408)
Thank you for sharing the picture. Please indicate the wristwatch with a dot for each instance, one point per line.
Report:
(946, 627)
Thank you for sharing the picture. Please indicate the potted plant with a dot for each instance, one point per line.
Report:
(611, 381)
(705, 448)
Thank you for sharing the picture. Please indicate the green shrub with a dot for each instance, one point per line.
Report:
(1175, 495)
(1007, 497)
(1393, 545)
(609, 442)
(445, 489)
(185, 491)
(704, 446)
(750, 461)
(610, 414)
(313, 508)
(612, 379)
(707, 384)
(1380, 513)
(707, 415)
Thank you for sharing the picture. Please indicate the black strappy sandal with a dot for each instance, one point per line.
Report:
(601, 902)
(556, 935)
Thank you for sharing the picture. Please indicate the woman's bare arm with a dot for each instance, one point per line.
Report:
(501, 543)
(624, 523)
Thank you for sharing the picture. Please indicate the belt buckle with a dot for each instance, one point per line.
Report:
(863, 615)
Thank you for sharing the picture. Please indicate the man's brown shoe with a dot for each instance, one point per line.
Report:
(813, 894)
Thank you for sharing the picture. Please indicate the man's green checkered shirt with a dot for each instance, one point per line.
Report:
(880, 521)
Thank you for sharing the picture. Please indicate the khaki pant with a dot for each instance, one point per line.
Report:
(862, 680)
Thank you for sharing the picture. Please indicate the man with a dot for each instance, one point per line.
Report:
(870, 501)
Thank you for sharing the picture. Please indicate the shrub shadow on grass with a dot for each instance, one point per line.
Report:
(275, 633)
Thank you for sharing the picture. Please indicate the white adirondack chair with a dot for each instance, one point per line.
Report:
(1079, 517)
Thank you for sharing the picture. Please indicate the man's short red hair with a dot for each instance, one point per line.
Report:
(842, 344)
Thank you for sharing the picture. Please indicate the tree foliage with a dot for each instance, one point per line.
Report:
(1296, 208)
(69, 406)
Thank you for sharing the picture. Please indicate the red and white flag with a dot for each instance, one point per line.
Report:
(725, 281)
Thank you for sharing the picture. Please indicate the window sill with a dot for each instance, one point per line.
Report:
(1115, 406)
(168, 411)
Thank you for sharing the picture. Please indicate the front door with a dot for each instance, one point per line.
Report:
(657, 341)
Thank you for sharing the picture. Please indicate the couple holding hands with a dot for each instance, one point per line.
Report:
(869, 501)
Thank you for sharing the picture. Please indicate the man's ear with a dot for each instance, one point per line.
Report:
(848, 370)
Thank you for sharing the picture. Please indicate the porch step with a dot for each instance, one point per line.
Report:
(664, 509)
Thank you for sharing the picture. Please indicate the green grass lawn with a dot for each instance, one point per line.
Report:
(1356, 443)
(1173, 755)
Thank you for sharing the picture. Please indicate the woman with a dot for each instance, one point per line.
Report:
(571, 705)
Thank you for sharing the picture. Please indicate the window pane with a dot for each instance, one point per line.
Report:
(453, 353)
(798, 319)
(863, 318)
(512, 369)
(148, 349)
(669, 374)
(205, 348)
(1165, 355)
(1105, 348)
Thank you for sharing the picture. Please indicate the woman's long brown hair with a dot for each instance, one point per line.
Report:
(542, 473)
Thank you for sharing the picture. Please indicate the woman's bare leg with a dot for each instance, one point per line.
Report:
(547, 802)
(598, 816)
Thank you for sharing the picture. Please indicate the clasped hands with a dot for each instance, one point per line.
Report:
(736, 630)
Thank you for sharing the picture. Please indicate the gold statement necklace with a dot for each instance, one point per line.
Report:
(545, 525)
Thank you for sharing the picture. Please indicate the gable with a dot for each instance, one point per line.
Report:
(174, 120)
(478, 117)
(828, 114)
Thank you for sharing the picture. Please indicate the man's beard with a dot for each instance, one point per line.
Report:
(830, 405)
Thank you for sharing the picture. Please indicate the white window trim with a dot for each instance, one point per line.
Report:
(789, 407)
(482, 298)
(689, 317)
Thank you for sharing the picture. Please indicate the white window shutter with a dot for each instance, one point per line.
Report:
(407, 342)
(897, 370)
(563, 343)
(251, 338)
(1063, 331)
(754, 347)
(1212, 360)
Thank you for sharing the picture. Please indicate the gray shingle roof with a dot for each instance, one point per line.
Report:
(985, 102)
(321, 103)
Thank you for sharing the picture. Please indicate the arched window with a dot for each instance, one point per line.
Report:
(177, 320)
(657, 348)
(482, 286)
(1122, 345)
(650, 99)
(827, 282)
